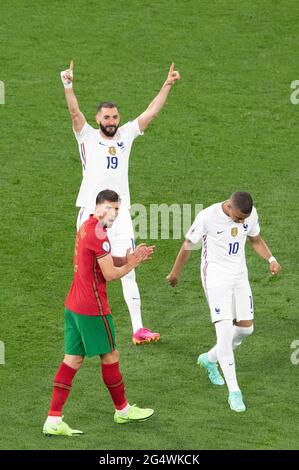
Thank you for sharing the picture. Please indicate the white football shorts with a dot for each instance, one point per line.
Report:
(231, 303)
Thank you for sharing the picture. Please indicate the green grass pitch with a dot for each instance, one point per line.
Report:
(228, 125)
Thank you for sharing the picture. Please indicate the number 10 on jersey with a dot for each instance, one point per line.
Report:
(233, 248)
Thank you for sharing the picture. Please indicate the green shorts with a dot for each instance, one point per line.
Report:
(88, 335)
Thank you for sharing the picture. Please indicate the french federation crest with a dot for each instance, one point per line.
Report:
(112, 150)
(234, 231)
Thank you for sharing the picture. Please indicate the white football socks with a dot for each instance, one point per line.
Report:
(54, 419)
(125, 410)
(212, 354)
(132, 298)
(224, 332)
(240, 333)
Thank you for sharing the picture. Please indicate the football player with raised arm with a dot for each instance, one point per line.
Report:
(105, 153)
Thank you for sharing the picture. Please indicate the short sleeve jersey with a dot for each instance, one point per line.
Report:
(105, 163)
(87, 295)
(223, 260)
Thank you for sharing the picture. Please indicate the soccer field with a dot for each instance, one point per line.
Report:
(228, 125)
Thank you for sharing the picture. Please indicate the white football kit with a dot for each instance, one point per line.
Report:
(105, 165)
(224, 272)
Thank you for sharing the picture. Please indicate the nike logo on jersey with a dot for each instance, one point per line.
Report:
(221, 231)
(102, 144)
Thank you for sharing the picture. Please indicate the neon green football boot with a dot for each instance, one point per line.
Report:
(59, 429)
(135, 414)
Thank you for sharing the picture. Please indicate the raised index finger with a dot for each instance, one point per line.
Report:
(71, 65)
(171, 68)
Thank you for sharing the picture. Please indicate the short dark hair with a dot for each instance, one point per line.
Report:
(107, 195)
(243, 201)
(106, 104)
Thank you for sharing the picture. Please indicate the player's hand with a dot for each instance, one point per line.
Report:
(147, 253)
(142, 253)
(173, 75)
(275, 268)
(172, 279)
(67, 76)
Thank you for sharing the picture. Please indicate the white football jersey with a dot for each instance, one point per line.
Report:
(105, 163)
(223, 245)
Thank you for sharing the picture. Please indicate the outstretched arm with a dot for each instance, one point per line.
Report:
(78, 118)
(181, 260)
(158, 102)
(262, 249)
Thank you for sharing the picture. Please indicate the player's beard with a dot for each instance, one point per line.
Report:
(109, 223)
(108, 133)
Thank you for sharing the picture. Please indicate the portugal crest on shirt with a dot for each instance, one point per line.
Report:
(234, 231)
(112, 150)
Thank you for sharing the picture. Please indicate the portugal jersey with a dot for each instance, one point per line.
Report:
(87, 295)
(223, 261)
(105, 163)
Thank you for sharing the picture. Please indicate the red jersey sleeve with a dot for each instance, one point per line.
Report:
(101, 246)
